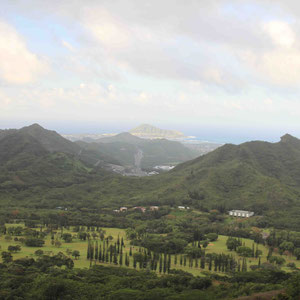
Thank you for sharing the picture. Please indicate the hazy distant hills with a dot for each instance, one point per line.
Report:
(149, 131)
(133, 151)
(123, 153)
(144, 131)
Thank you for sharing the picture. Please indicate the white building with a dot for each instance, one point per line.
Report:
(241, 213)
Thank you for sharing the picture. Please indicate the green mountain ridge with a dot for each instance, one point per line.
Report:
(259, 176)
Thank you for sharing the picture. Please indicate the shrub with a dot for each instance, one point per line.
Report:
(34, 242)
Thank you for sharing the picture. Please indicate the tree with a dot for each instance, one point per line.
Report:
(12, 248)
(82, 235)
(6, 257)
(232, 243)
(205, 244)
(289, 246)
(244, 251)
(278, 260)
(212, 237)
(67, 237)
(193, 251)
(34, 242)
(39, 252)
(76, 254)
(297, 253)
(293, 286)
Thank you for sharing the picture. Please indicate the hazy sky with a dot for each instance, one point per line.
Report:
(215, 69)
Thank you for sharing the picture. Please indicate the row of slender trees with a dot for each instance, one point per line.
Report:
(114, 253)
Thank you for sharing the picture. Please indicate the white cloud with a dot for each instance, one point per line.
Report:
(143, 98)
(280, 33)
(279, 63)
(212, 61)
(68, 46)
(105, 28)
(17, 64)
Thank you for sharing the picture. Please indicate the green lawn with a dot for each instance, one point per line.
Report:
(218, 246)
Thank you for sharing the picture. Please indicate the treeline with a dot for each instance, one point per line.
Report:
(142, 258)
(53, 277)
(284, 242)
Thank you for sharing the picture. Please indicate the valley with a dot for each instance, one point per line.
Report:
(60, 205)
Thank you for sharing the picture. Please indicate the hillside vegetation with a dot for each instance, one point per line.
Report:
(259, 176)
(125, 146)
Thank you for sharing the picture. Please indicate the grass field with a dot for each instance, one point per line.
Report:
(218, 246)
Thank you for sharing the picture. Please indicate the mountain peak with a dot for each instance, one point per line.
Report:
(34, 126)
(150, 131)
(126, 137)
(287, 138)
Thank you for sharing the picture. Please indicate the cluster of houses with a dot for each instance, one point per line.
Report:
(137, 208)
(241, 213)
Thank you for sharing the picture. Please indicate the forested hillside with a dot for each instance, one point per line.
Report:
(259, 176)
(126, 146)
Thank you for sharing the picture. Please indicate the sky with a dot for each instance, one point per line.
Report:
(220, 70)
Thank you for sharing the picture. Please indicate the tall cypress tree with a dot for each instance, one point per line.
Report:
(92, 251)
(169, 264)
(100, 254)
(160, 263)
(111, 251)
(216, 261)
(106, 256)
(126, 260)
(103, 252)
(96, 251)
(155, 265)
(165, 263)
(118, 245)
(88, 251)
(202, 262)
(256, 251)
(115, 258)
